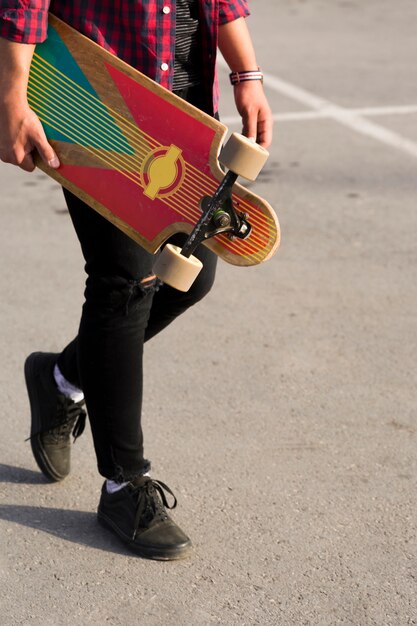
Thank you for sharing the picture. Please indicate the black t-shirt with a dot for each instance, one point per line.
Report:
(187, 67)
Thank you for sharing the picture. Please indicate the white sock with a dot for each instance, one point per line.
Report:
(112, 486)
(66, 388)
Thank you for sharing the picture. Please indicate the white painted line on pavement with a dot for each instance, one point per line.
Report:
(296, 116)
(344, 116)
(405, 109)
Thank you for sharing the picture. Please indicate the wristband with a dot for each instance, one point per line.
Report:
(240, 77)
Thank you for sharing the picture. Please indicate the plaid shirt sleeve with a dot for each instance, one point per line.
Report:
(230, 10)
(24, 21)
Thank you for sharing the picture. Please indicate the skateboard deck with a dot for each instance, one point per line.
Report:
(133, 151)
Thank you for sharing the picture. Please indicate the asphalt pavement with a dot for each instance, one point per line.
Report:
(282, 409)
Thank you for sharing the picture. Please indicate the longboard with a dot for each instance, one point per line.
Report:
(136, 153)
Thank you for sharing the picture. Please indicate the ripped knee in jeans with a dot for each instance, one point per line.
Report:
(141, 287)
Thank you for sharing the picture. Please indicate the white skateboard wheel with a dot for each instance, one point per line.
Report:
(243, 156)
(176, 270)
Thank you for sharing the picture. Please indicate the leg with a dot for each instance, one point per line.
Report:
(105, 360)
(119, 294)
(110, 342)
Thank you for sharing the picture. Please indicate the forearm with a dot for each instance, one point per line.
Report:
(15, 60)
(20, 130)
(235, 44)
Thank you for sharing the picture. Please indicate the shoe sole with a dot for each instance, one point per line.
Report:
(163, 554)
(36, 423)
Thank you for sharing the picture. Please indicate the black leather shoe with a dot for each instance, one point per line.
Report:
(136, 513)
(53, 417)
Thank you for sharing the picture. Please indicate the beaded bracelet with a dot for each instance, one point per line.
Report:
(240, 77)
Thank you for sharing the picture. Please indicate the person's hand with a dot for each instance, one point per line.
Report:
(253, 107)
(21, 133)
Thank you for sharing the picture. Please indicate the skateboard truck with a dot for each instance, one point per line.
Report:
(242, 157)
(219, 217)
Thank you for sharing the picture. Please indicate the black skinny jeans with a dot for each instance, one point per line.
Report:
(124, 307)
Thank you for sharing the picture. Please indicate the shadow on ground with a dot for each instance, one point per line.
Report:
(21, 475)
(79, 527)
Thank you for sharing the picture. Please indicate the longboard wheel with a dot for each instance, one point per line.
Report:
(243, 156)
(176, 270)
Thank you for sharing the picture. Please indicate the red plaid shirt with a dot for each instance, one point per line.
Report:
(142, 33)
